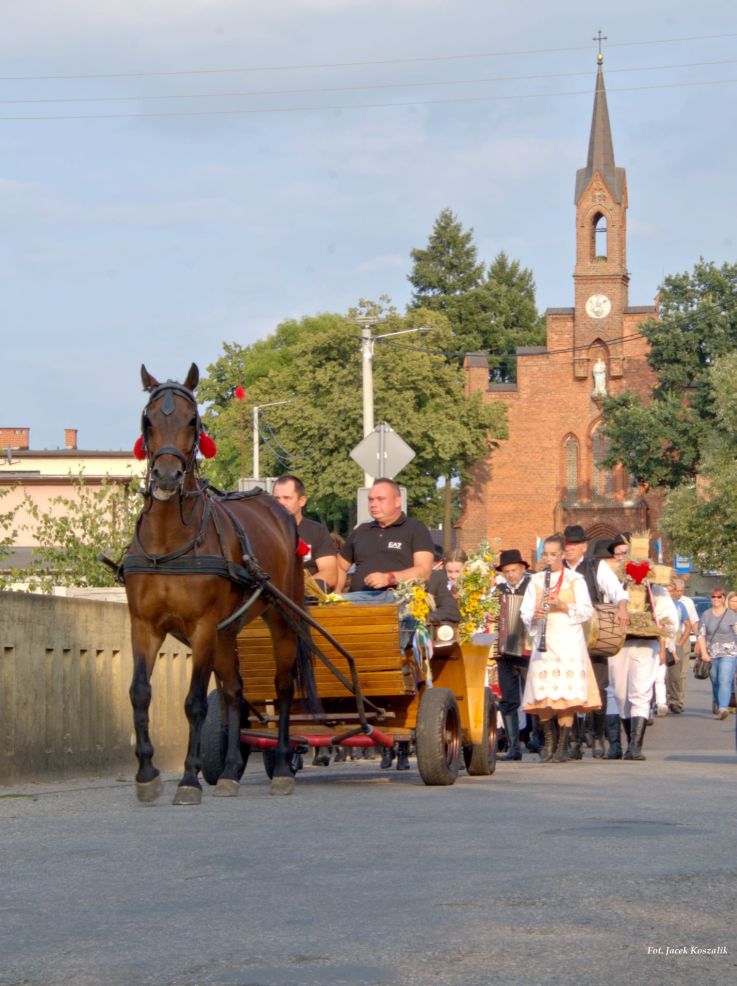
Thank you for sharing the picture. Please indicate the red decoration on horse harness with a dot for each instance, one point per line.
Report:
(637, 570)
(303, 549)
(208, 448)
(239, 393)
(139, 449)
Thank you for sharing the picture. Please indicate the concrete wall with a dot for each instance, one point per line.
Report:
(65, 671)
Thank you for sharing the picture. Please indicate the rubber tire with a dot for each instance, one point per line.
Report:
(295, 764)
(214, 742)
(438, 737)
(480, 758)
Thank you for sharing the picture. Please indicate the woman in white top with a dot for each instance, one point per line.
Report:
(560, 681)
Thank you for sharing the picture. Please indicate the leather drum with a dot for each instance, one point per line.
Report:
(603, 637)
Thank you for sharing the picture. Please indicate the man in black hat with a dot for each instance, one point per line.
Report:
(604, 587)
(514, 652)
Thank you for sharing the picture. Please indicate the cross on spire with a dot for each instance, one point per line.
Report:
(600, 37)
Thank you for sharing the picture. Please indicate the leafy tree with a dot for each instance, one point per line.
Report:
(700, 515)
(416, 390)
(447, 267)
(75, 531)
(494, 313)
(7, 529)
(697, 325)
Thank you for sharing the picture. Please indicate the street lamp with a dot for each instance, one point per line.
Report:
(367, 372)
(256, 409)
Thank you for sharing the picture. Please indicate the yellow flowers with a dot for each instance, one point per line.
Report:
(416, 598)
(475, 594)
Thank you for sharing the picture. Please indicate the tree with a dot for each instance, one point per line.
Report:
(75, 531)
(700, 515)
(697, 325)
(447, 267)
(495, 313)
(417, 390)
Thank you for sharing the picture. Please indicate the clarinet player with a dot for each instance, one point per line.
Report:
(560, 681)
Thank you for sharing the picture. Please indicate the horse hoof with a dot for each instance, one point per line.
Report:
(226, 788)
(187, 795)
(282, 785)
(149, 791)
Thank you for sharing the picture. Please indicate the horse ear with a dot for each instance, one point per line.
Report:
(148, 381)
(193, 377)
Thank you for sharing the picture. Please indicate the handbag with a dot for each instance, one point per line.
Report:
(701, 669)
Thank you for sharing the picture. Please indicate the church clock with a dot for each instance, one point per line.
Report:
(598, 306)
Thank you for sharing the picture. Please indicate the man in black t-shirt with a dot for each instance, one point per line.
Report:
(321, 562)
(388, 549)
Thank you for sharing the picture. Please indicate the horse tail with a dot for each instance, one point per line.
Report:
(304, 669)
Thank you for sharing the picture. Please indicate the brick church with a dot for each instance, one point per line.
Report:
(549, 472)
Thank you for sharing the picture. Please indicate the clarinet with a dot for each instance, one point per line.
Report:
(543, 645)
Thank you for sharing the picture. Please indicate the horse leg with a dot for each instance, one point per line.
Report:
(145, 649)
(189, 789)
(285, 650)
(226, 666)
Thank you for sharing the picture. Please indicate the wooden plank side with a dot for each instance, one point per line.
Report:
(376, 684)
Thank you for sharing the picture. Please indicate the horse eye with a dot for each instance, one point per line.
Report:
(193, 423)
(146, 422)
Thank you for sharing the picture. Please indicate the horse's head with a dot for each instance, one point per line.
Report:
(171, 427)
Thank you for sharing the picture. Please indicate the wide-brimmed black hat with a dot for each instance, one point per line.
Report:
(574, 534)
(511, 556)
(620, 539)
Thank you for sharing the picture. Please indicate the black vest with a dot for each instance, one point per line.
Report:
(588, 568)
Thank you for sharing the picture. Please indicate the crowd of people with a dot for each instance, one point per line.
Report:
(557, 692)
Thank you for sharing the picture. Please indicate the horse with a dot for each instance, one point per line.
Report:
(200, 566)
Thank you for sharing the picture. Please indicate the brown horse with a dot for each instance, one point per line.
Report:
(197, 559)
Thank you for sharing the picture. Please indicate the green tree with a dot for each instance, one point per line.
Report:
(76, 530)
(700, 515)
(416, 390)
(447, 267)
(493, 313)
(661, 440)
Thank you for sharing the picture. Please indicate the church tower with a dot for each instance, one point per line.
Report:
(552, 469)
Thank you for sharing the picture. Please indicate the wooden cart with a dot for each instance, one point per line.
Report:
(450, 716)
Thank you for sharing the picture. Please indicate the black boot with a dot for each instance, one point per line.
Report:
(613, 727)
(575, 738)
(548, 731)
(511, 725)
(561, 754)
(626, 723)
(598, 722)
(387, 757)
(403, 756)
(637, 734)
(534, 741)
(341, 754)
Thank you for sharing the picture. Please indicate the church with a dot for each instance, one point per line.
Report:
(549, 472)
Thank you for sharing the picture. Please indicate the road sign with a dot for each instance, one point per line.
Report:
(682, 564)
(382, 452)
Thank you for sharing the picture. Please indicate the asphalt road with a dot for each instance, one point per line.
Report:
(583, 872)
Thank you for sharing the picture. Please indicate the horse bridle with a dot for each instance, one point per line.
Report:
(167, 390)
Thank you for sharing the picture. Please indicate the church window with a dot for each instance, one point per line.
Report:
(601, 476)
(570, 464)
(599, 240)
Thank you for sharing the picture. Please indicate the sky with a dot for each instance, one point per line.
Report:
(176, 174)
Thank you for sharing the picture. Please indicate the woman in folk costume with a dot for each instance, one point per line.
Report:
(560, 681)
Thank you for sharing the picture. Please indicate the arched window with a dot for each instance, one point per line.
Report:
(599, 236)
(570, 464)
(601, 477)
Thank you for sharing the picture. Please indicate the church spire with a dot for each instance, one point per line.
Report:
(601, 149)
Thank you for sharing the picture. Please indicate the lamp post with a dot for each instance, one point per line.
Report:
(256, 409)
(367, 372)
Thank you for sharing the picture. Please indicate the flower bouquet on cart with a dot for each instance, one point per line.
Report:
(475, 592)
(417, 604)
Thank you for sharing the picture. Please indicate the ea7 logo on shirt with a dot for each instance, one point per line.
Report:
(397, 545)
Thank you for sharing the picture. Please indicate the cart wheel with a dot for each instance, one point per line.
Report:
(214, 742)
(480, 758)
(295, 764)
(438, 736)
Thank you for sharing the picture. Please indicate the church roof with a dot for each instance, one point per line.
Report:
(601, 149)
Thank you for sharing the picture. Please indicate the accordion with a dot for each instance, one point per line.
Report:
(514, 641)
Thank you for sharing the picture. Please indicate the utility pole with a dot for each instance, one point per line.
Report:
(367, 373)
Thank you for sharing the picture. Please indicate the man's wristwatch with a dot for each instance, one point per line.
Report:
(391, 579)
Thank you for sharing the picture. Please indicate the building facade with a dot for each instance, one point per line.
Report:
(550, 472)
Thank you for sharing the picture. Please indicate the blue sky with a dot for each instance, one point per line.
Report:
(157, 228)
